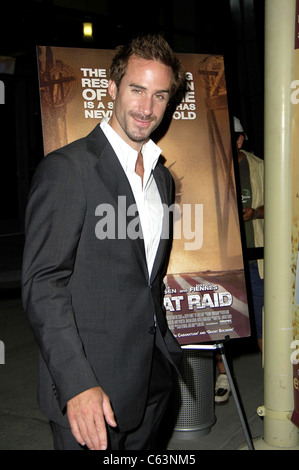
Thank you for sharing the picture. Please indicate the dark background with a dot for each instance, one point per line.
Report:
(234, 28)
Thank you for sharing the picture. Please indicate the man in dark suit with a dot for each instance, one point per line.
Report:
(95, 256)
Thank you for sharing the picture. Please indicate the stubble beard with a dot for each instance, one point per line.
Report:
(139, 135)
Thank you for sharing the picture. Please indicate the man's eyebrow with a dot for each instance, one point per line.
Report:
(134, 85)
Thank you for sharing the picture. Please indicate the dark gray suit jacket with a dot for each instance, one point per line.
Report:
(90, 302)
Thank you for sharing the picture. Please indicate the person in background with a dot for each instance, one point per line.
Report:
(251, 171)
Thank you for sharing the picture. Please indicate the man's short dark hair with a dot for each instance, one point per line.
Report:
(149, 47)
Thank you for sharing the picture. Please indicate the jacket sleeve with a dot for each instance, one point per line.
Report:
(54, 217)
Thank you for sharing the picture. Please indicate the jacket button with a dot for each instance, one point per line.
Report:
(55, 391)
(152, 330)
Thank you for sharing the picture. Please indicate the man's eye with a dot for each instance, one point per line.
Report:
(136, 91)
(160, 97)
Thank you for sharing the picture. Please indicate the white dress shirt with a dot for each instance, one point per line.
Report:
(146, 194)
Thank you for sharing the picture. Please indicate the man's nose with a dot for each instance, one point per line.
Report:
(147, 105)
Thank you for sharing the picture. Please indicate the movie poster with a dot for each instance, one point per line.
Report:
(295, 222)
(205, 296)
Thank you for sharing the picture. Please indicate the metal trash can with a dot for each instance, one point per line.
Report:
(193, 398)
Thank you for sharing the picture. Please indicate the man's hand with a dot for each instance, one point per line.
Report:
(87, 413)
(248, 214)
(251, 214)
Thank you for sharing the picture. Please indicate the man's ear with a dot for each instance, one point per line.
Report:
(240, 141)
(112, 89)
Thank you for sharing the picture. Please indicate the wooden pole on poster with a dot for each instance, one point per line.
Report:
(279, 431)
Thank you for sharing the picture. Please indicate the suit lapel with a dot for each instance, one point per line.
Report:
(164, 241)
(109, 167)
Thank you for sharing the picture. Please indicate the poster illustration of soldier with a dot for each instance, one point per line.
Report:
(205, 295)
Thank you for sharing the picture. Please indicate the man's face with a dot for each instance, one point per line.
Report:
(141, 99)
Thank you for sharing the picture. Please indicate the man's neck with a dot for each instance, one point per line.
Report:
(240, 156)
(139, 169)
